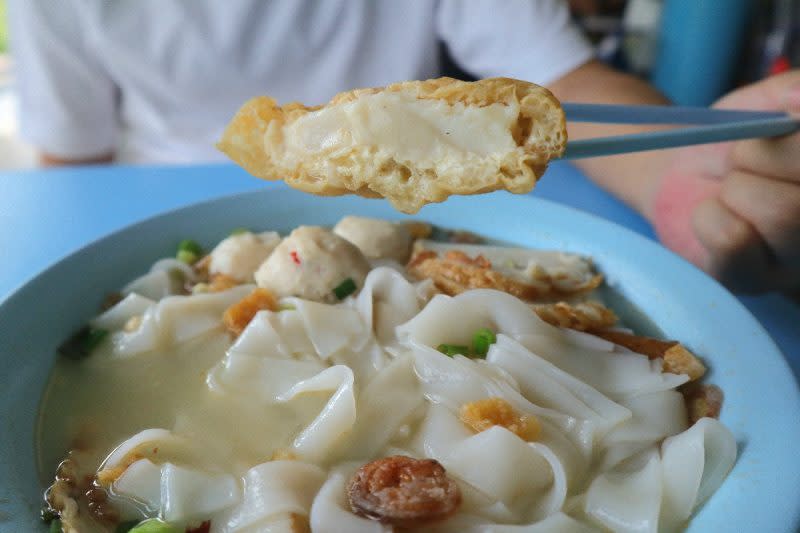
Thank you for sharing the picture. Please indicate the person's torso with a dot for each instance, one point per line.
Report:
(184, 67)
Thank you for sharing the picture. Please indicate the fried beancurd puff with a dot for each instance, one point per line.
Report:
(455, 272)
(403, 492)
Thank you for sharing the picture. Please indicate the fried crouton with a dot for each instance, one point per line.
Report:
(481, 415)
(238, 315)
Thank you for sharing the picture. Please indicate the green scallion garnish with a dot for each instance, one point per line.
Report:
(125, 527)
(187, 257)
(481, 340)
(453, 349)
(189, 251)
(191, 246)
(82, 343)
(94, 338)
(154, 525)
(345, 289)
(55, 526)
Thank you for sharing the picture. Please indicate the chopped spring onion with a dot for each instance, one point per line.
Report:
(154, 525)
(187, 257)
(345, 289)
(55, 526)
(189, 251)
(125, 527)
(82, 343)
(481, 340)
(239, 231)
(453, 349)
(287, 307)
(191, 246)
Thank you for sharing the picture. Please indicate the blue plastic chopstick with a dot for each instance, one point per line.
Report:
(708, 126)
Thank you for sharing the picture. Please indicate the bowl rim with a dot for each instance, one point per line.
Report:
(730, 303)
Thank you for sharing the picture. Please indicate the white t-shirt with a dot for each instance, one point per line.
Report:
(157, 80)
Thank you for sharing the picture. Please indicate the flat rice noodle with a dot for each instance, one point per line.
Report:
(695, 463)
(388, 401)
(617, 375)
(319, 439)
(273, 490)
(386, 300)
(453, 320)
(628, 499)
(189, 495)
(118, 315)
(261, 379)
(547, 385)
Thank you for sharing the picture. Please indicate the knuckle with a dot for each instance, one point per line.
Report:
(732, 239)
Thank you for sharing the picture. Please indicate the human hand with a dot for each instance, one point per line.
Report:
(733, 209)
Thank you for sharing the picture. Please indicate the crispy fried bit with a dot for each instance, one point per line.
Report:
(484, 414)
(104, 512)
(240, 314)
(403, 492)
(583, 316)
(677, 359)
(418, 229)
(201, 268)
(221, 282)
(456, 272)
(299, 523)
(77, 499)
(702, 401)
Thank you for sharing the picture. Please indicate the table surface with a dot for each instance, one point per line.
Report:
(48, 214)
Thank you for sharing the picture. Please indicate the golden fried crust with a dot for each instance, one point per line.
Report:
(481, 415)
(582, 316)
(677, 359)
(456, 272)
(239, 315)
(539, 132)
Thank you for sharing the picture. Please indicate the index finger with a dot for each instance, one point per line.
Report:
(776, 157)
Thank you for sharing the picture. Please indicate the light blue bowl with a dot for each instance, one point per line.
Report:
(762, 401)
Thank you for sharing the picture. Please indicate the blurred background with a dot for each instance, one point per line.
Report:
(14, 153)
(692, 50)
